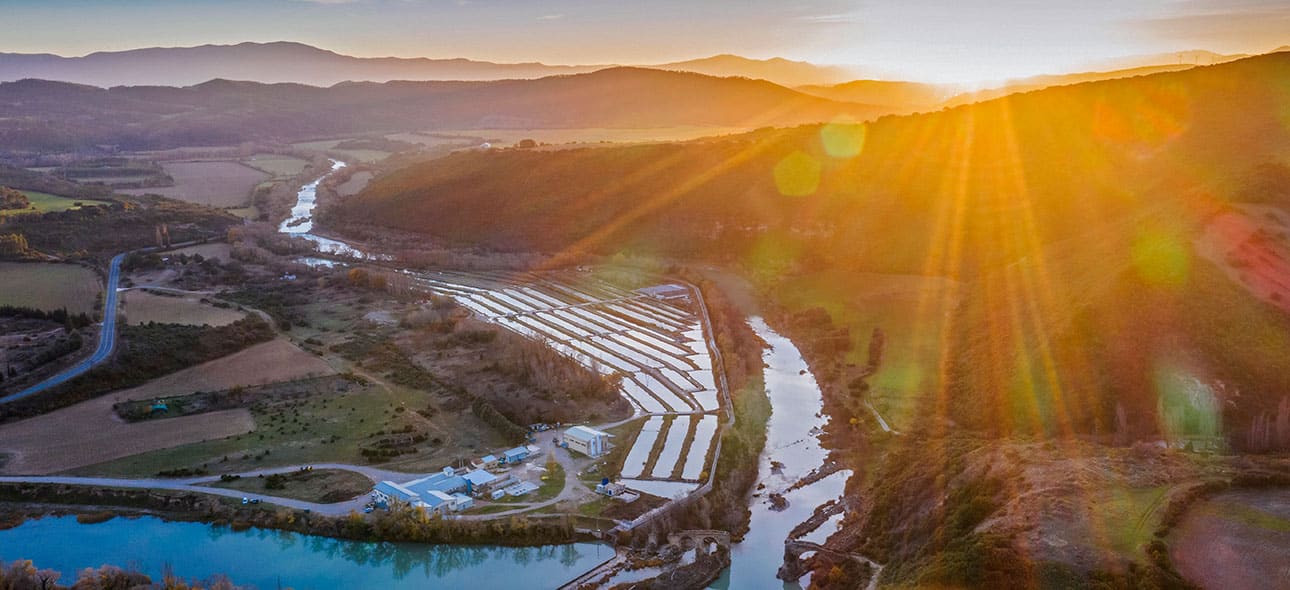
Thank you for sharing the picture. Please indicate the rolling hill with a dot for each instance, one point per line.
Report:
(1068, 214)
(288, 62)
(260, 62)
(58, 116)
(778, 70)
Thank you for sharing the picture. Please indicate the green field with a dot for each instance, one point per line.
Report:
(508, 137)
(277, 165)
(320, 429)
(329, 146)
(47, 203)
(49, 286)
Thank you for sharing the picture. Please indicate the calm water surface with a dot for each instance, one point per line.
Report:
(264, 559)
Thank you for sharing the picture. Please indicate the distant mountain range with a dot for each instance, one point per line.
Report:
(40, 115)
(305, 64)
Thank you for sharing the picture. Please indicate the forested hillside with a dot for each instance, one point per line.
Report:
(1070, 214)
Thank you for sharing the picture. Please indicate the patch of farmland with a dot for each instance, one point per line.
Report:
(434, 139)
(672, 448)
(634, 464)
(354, 184)
(141, 307)
(47, 203)
(49, 286)
(90, 433)
(704, 432)
(277, 165)
(219, 183)
(596, 135)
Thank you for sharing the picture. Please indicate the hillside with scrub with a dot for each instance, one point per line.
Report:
(1064, 218)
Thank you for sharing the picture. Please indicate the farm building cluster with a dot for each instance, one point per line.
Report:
(454, 490)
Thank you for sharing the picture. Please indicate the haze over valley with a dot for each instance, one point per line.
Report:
(823, 295)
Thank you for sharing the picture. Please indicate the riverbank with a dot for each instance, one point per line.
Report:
(24, 501)
(268, 559)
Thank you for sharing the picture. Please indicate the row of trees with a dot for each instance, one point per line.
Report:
(71, 321)
(22, 574)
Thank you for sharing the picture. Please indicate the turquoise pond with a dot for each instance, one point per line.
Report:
(270, 559)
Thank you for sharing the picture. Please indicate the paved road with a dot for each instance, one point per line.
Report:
(107, 339)
(201, 485)
(337, 509)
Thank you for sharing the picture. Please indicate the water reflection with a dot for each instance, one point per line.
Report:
(262, 558)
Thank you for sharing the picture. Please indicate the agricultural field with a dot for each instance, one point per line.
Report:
(353, 155)
(47, 203)
(907, 308)
(277, 165)
(355, 184)
(141, 307)
(217, 183)
(89, 432)
(49, 286)
(509, 137)
(435, 139)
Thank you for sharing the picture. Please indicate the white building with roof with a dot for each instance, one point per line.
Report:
(669, 292)
(588, 441)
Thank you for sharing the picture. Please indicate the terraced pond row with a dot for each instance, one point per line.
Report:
(659, 350)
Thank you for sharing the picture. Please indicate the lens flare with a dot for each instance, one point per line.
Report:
(1188, 409)
(843, 138)
(797, 175)
(1162, 258)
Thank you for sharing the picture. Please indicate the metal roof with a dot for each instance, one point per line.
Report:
(480, 477)
(584, 434)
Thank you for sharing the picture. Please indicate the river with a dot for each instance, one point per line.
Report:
(792, 439)
(268, 559)
(301, 222)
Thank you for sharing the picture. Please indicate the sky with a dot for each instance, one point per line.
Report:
(928, 40)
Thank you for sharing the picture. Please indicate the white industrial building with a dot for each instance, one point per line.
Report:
(588, 441)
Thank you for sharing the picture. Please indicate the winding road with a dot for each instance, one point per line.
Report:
(107, 339)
